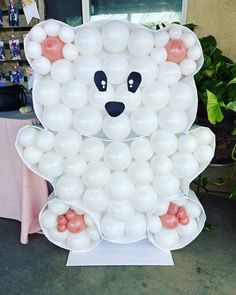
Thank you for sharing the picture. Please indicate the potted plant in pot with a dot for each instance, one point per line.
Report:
(216, 85)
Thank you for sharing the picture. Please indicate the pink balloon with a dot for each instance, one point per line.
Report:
(61, 219)
(181, 213)
(70, 214)
(176, 50)
(61, 227)
(52, 48)
(169, 221)
(184, 220)
(173, 209)
(76, 224)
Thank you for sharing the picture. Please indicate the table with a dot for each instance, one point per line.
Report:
(22, 193)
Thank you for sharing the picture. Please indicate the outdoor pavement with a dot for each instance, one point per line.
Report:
(205, 267)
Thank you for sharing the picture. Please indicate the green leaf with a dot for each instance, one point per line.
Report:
(233, 191)
(234, 131)
(204, 182)
(219, 181)
(214, 108)
(207, 226)
(233, 81)
(231, 106)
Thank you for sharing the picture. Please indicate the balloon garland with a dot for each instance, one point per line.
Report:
(117, 102)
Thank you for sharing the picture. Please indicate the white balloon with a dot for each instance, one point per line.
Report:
(74, 94)
(136, 226)
(155, 225)
(159, 54)
(32, 154)
(169, 73)
(173, 120)
(204, 153)
(120, 210)
(203, 135)
(161, 38)
(119, 186)
(187, 230)
(58, 207)
(57, 117)
(115, 36)
(144, 121)
(116, 128)
(78, 242)
(95, 199)
(87, 121)
(69, 188)
(188, 66)
(33, 49)
(143, 198)
(180, 201)
(47, 91)
(175, 32)
(44, 140)
(41, 65)
(67, 142)
(166, 185)
(161, 165)
(57, 236)
(116, 68)
(156, 95)
(88, 220)
(193, 210)
(164, 143)
(74, 166)
(130, 100)
(96, 174)
(181, 96)
(146, 66)
(50, 164)
(98, 99)
(37, 34)
(189, 39)
(93, 233)
(141, 42)
(141, 149)
(185, 166)
(88, 41)
(26, 136)
(111, 228)
(187, 143)
(195, 52)
(48, 219)
(70, 52)
(117, 156)
(84, 68)
(161, 207)
(92, 149)
(167, 238)
(61, 70)
(140, 172)
(66, 34)
(51, 28)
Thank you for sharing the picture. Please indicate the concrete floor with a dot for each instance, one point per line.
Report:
(205, 267)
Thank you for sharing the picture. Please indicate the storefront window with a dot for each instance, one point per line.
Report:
(146, 12)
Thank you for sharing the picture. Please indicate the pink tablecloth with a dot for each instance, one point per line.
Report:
(22, 193)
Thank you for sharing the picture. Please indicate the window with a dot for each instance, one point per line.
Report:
(146, 12)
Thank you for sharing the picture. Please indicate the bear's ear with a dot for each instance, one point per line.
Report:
(48, 42)
(182, 47)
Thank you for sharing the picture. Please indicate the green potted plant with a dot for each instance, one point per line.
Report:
(216, 85)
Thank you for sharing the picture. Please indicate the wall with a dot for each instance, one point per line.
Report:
(218, 18)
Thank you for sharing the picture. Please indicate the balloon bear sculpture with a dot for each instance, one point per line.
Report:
(117, 102)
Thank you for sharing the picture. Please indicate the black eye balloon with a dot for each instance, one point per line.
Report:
(134, 81)
(100, 79)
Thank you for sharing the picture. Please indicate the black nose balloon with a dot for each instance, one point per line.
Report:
(114, 108)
